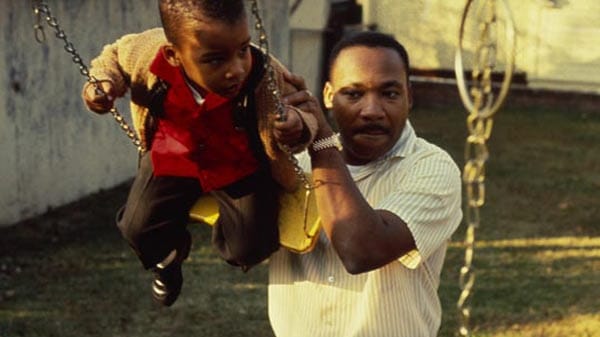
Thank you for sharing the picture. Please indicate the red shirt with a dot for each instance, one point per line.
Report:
(195, 140)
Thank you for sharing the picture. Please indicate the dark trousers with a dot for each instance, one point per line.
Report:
(156, 214)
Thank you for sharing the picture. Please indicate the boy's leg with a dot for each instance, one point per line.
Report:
(154, 220)
(246, 232)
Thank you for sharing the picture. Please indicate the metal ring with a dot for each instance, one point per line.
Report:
(510, 57)
(40, 35)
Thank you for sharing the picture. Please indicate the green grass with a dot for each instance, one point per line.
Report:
(537, 258)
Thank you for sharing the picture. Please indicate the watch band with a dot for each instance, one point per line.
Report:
(326, 143)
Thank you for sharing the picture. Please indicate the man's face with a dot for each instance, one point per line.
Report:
(215, 55)
(370, 97)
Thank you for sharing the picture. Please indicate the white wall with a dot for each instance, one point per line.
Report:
(306, 30)
(558, 41)
(52, 150)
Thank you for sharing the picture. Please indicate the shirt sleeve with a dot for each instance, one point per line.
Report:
(428, 200)
(128, 59)
(106, 66)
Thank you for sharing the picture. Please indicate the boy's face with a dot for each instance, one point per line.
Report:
(214, 54)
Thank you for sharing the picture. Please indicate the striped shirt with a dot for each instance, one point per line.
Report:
(312, 295)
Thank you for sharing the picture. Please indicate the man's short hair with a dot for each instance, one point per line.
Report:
(372, 40)
(175, 14)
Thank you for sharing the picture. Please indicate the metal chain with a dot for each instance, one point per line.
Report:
(263, 43)
(39, 8)
(481, 107)
(280, 111)
(272, 87)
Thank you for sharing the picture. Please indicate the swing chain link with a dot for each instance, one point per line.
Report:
(481, 109)
(476, 154)
(272, 87)
(38, 29)
(39, 8)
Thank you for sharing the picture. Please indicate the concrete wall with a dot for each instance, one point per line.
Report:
(558, 41)
(306, 30)
(53, 151)
(274, 14)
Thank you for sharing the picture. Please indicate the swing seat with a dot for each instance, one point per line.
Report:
(294, 233)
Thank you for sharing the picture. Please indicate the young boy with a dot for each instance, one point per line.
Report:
(202, 110)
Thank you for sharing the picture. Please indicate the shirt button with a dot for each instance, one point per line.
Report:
(331, 279)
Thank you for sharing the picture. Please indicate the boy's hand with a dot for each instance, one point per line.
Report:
(290, 131)
(98, 101)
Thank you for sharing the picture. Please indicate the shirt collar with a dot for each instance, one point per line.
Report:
(177, 79)
(405, 144)
(197, 95)
(403, 147)
(161, 68)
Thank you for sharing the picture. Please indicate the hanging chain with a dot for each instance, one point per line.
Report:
(481, 107)
(39, 8)
(273, 89)
(280, 111)
(263, 43)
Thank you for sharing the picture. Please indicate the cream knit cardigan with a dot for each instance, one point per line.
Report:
(126, 63)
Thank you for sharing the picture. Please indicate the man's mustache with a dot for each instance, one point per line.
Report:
(372, 128)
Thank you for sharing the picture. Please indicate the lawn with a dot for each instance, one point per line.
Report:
(537, 258)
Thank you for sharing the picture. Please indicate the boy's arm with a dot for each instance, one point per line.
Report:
(125, 63)
(308, 120)
(106, 67)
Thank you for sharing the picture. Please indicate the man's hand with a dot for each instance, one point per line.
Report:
(97, 101)
(305, 101)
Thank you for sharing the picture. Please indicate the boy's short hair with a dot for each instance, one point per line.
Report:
(369, 39)
(174, 14)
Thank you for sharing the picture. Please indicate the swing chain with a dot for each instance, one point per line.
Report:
(38, 29)
(476, 154)
(481, 109)
(263, 43)
(272, 87)
(39, 8)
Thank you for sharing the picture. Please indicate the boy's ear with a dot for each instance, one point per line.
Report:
(328, 95)
(170, 55)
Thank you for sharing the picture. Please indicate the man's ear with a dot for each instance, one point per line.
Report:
(328, 95)
(410, 95)
(171, 55)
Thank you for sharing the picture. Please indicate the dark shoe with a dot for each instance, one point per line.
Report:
(167, 283)
(168, 278)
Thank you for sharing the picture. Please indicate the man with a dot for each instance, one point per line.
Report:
(389, 202)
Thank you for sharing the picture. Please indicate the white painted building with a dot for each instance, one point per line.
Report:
(558, 41)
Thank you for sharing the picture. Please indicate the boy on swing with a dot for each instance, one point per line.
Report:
(202, 110)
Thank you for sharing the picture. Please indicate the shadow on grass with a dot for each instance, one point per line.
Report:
(529, 283)
(69, 273)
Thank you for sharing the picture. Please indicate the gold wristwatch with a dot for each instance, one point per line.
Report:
(332, 141)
